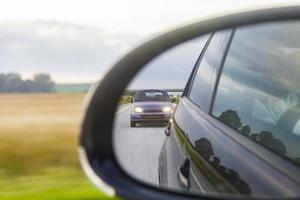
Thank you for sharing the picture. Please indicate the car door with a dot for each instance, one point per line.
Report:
(200, 90)
(229, 126)
(172, 156)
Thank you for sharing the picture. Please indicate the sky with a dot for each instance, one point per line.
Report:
(78, 41)
(171, 69)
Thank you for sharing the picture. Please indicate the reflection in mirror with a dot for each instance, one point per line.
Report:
(217, 115)
(146, 107)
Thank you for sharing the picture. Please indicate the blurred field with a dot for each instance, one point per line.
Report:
(38, 141)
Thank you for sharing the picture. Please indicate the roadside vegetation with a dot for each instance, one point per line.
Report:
(125, 99)
(38, 148)
(13, 82)
(175, 99)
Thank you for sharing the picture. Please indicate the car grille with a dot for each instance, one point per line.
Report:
(152, 111)
(152, 116)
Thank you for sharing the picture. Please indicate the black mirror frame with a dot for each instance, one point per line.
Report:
(96, 141)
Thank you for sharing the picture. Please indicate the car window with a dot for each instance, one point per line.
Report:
(205, 77)
(259, 89)
(152, 96)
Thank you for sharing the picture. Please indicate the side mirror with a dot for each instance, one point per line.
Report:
(227, 163)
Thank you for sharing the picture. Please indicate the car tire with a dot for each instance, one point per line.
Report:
(132, 124)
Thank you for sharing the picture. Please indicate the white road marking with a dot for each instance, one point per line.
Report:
(137, 149)
(200, 186)
(119, 111)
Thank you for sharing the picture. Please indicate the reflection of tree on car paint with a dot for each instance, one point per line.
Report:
(202, 156)
(265, 137)
(204, 147)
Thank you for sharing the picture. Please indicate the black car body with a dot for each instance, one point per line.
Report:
(241, 149)
(150, 106)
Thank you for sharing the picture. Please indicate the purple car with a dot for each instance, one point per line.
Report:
(150, 106)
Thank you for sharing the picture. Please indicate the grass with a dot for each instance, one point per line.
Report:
(38, 141)
(125, 99)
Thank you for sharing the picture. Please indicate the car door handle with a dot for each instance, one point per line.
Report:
(183, 173)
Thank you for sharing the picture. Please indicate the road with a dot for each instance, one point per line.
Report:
(137, 149)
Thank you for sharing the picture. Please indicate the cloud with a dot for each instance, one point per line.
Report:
(61, 49)
(77, 53)
(266, 63)
(171, 69)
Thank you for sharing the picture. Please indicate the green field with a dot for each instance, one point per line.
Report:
(38, 148)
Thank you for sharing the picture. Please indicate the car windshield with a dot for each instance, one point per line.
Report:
(152, 95)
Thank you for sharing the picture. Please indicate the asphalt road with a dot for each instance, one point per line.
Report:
(137, 149)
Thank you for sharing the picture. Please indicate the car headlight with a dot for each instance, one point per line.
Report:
(167, 109)
(138, 109)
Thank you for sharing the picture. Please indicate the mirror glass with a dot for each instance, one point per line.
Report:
(219, 114)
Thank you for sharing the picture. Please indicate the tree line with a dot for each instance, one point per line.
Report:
(12, 82)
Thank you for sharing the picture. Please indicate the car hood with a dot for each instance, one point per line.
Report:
(152, 105)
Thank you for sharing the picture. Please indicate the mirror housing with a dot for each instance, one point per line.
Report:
(96, 143)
